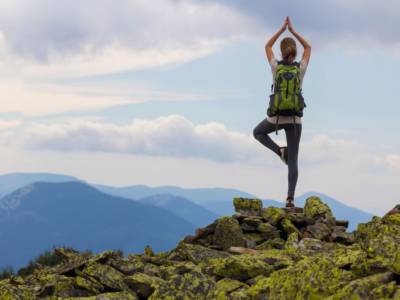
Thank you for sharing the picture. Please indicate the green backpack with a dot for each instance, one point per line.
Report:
(287, 99)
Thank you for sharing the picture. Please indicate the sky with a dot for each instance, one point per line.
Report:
(168, 92)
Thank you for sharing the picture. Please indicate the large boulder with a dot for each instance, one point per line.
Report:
(315, 209)
(228, 233)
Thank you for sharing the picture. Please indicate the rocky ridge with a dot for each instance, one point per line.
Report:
(257, 253)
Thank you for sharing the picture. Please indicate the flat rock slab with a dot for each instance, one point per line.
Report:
(242, 250)
(293, 209)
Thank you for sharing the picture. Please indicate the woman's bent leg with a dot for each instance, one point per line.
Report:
(293, 141)
(261, 132)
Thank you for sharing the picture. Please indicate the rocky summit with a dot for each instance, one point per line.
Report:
(257, 253)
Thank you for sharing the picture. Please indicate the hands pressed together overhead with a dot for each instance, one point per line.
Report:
(287, 24)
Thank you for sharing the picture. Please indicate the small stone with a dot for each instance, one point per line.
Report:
(250, 243)
(344, 223)
(148, 251)
(242, 250)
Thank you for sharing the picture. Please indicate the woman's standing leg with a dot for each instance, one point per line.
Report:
(261, 132)
(293, 141)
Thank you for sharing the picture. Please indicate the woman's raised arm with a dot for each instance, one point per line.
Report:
(307, 47)
(271, 42)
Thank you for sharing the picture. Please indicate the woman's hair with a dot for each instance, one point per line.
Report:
(288, 49)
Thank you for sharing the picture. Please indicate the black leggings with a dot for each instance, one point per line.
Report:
(261, 132)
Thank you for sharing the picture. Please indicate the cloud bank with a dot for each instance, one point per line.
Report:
(173, 136)
(176, 136)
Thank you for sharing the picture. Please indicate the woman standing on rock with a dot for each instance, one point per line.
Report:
(278, 118)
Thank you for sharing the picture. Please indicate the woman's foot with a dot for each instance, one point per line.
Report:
(283, 154)
(289, 201)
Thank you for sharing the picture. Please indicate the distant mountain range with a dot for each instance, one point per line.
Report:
(219, 200)
(182, 207)
(48, 209)
(41, 215)
(13, 181)
(215, 200)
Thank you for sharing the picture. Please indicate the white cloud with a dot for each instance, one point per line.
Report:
(102, 36)
(173, 136)
(37, 99)
(176, 136)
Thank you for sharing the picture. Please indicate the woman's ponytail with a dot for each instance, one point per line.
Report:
(288, 49)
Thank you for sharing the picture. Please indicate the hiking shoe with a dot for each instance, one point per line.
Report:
(289, 202)
(284, 155)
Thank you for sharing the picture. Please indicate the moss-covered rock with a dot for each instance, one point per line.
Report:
(377, 286)
(315, 208)
(107, 296)
(228, 233)
(247, 206)
(12, 292)
(395, 264)
(288, 227)
(320, 231)
(273, 215)
(195, 253)
(392, 219)
(192, 285)
(310, 278)
(240, 267)
(275, 243)
(143, 284)
(106, 275)
(254, 236)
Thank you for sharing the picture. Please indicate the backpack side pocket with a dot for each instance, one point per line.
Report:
(270, 112)
(302, 104)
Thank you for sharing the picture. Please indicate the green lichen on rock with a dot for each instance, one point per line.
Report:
(377, 286)
(392, 219)
(294, 255)
(228, 233)
(314, 207)
(395, 265)
(106, 275)
(274, 243)
(320, 231)
(143, 284)
(228, 285)
(310, 278)
(273, 214)
(247, 206)
(288, 227)
(107, 296)
(240, 267)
